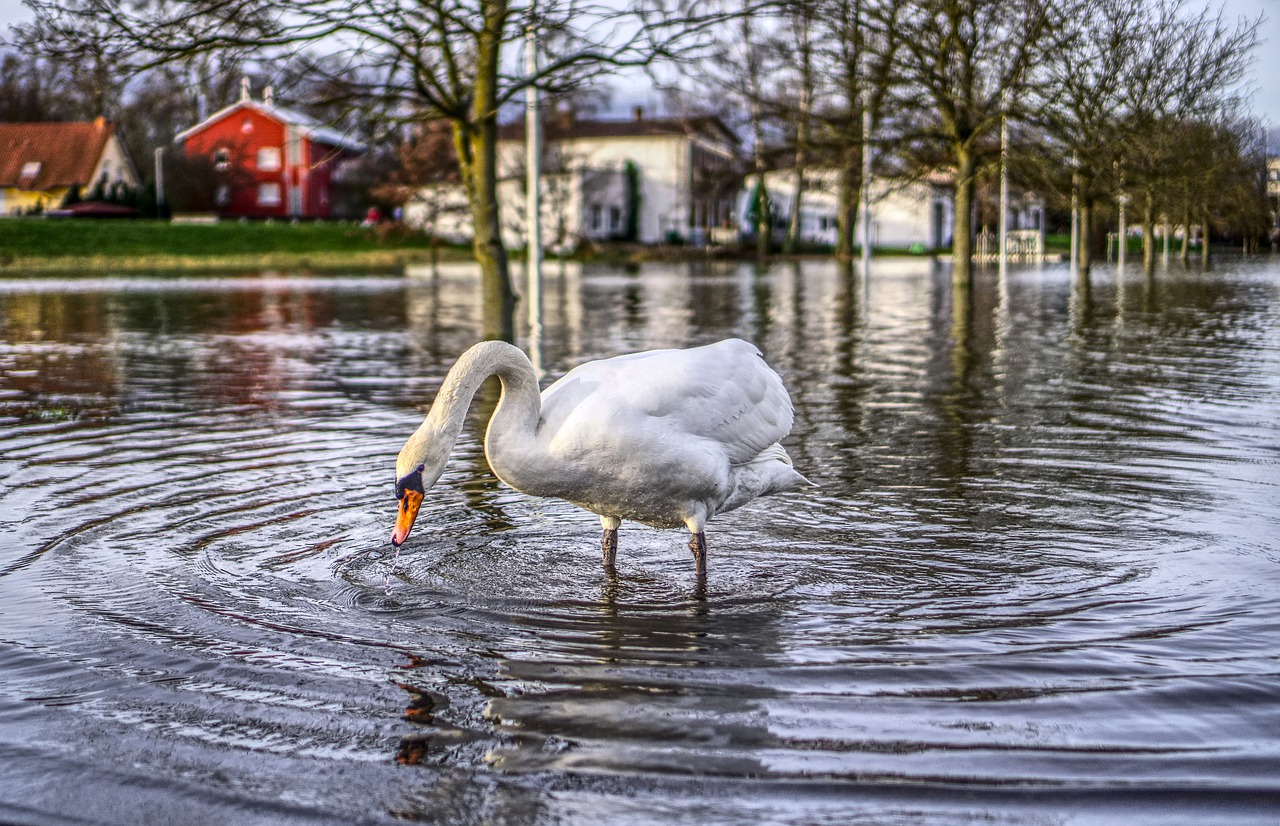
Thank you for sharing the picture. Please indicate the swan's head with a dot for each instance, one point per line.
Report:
(421, 462)
(410, 491)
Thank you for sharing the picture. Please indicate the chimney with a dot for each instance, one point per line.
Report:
(267, 95)
(638, 113)
(99, 122)
(244, 89)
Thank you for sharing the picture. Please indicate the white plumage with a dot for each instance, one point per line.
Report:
(664, 437)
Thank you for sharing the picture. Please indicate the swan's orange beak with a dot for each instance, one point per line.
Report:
(410, 501)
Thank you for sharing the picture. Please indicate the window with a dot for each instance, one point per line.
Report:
(268, 194)
(269, 158)
(30, 169)
(222, 195)
(597, 215)
(615, 219)
(222, 159)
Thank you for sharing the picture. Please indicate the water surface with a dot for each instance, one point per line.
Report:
(1038, 580)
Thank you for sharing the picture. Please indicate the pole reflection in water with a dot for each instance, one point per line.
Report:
(1033, 583)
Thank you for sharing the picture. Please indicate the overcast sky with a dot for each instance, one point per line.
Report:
(1264, 78)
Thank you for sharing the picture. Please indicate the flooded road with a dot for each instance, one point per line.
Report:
(1038, 581)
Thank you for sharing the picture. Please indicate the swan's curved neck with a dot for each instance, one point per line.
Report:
(514, 421)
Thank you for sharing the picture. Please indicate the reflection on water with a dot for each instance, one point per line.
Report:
(1035, 583)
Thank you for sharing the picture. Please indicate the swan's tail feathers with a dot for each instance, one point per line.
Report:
(773, 453)
(769, 472)
(777, 453)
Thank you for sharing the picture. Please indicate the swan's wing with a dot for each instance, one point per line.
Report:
(723, 393)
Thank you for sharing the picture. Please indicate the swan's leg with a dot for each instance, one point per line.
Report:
(609, 541)
(698, 544)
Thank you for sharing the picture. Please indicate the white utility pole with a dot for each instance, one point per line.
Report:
(533, 206)
(1004, 189)
(866, 189)
(159, 181)
(1120, 253)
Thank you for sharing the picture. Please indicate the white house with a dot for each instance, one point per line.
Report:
(678, 174)
(916, 213)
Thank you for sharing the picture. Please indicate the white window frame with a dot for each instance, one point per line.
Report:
(268, 158)
(269, 194)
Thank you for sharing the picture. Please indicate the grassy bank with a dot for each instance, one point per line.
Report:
(62, 245)
(47, 245)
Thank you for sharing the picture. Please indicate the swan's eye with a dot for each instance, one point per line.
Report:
(410, 481)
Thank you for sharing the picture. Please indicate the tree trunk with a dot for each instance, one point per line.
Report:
(1149, 236)
(793, 229)
(802, 138)
(477, 147)
(1186, 239)
(1204, 245)
(764, 221)
(850, 194)
(476, 142)
(1084, 252)
(962, 227)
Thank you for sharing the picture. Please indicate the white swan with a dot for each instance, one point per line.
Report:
(664, 437)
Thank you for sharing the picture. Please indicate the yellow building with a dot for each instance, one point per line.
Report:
(41, 162)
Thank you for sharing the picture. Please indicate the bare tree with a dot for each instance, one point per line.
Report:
(439, 58)
(1087, 89)
(967, 61)
(1185, 71)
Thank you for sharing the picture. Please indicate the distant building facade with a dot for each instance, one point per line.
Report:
(903, 215)
(277, 162)
(41, 163)
(645, 179)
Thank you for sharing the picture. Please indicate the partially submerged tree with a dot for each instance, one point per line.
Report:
(1185, 70)
(968, 62)
(451, 59)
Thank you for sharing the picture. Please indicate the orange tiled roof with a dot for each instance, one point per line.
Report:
(67, 153)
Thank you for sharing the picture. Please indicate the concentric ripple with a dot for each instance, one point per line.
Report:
(1034, 581)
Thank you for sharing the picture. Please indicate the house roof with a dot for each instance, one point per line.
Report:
(309, 126)
(561, 127)
(40, 156)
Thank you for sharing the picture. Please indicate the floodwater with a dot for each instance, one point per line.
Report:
(1038, 580)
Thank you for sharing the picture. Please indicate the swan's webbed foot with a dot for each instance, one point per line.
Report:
(698, 544)
(609, 547)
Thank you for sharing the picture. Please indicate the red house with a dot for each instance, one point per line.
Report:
(277, 163)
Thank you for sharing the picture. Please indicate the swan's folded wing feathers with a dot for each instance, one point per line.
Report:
(724, 393)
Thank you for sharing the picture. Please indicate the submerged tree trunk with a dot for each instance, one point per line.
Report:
(962, 227)
(795, 226)
(764, 221)
(1149, 235)
(1084, 240)
(1204, 245)
(476, 144)
(1186, 239)
(850, 195)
